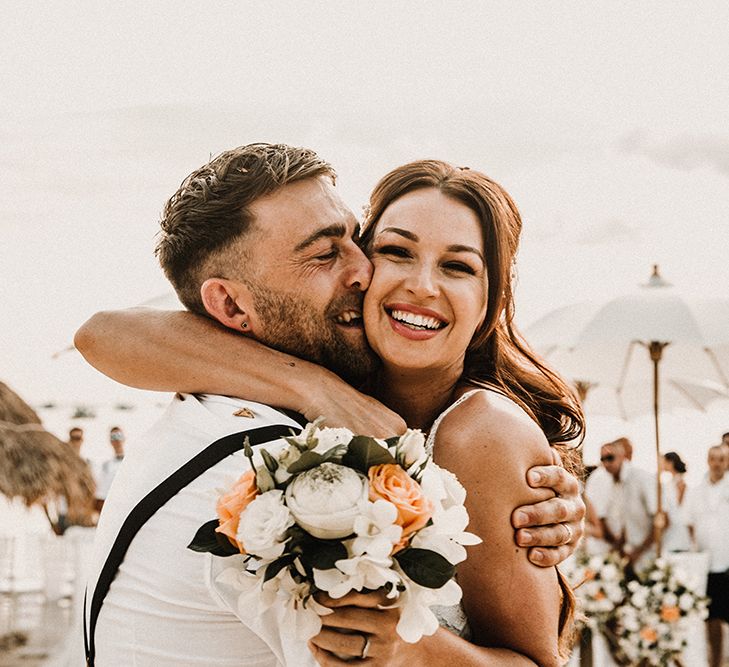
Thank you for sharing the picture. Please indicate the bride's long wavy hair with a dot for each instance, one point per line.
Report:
(498, 357)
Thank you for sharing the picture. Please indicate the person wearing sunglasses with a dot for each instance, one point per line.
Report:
(628, 516)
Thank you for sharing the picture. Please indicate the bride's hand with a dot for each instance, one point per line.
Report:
(358, 623)
(552, 528)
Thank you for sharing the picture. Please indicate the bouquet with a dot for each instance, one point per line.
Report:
(327, 510)
(597, 582)
(652, 624)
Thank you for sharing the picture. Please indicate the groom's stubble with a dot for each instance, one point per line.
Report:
(292, 325)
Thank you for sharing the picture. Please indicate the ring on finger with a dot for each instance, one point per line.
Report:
(365, 647)
(570, 534)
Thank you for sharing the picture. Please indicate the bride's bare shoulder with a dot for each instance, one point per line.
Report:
(487, 424)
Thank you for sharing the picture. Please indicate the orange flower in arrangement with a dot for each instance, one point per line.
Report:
(648, 634)
(670, 614)
(600, 595)
(590, 575)
(233, 503)
(390, 482)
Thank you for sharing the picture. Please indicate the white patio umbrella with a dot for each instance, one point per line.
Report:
(630, 341)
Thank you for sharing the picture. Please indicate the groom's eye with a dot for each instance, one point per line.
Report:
(327, 256)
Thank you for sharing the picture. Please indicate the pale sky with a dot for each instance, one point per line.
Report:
(607, 122)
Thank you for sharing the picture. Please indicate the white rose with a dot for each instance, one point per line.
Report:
(686, 602)
(263, 525)
(327, 499)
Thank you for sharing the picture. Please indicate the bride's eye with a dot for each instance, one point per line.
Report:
(460, 267)
(392, 250)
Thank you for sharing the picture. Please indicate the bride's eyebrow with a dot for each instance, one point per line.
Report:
(402, 232)
(466, 248)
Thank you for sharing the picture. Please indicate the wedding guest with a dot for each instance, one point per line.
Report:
(708, 509)
(676, 535)
(628, 517)
(110, 466)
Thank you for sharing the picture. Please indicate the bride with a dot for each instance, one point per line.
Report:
(439, 315)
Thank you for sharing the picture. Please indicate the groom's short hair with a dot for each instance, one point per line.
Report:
(210, 210)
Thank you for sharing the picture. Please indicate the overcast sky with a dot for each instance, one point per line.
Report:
(606, 121)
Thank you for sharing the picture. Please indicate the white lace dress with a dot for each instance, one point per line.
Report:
(452, 617)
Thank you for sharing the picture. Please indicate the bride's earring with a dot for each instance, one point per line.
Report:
(244, 325)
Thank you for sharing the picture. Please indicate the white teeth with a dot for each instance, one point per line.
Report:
(416, 320)
(347, 316)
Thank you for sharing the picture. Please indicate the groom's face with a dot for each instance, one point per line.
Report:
(307, 277)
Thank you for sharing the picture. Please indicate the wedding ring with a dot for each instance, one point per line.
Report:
(570, 535)
(365, 648)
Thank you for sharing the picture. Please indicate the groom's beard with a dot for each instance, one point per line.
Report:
(293, 326)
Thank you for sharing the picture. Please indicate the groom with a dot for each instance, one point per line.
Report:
(259, 240)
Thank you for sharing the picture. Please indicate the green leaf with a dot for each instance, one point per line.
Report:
(365, 452)
(306, 461)
(272, 569)
(323, 554)
(426, 568)
(207, 540)
(391, 442)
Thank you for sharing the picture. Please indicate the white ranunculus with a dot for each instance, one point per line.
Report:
(263, 525)
(327, 499)
(442, 487)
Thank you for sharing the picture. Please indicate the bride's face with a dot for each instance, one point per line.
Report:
(428, 294)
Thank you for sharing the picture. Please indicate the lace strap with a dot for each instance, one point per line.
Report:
(430, 442)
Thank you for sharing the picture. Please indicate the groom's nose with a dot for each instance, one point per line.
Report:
(358, 272)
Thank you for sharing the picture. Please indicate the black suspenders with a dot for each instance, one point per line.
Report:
(155, 499)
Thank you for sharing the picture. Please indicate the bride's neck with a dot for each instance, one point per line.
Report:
(417, 396)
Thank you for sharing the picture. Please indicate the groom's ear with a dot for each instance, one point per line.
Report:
(229, 302)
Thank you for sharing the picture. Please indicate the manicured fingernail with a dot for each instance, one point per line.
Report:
(538, 555)
(521, 519)
(525, 537)
(534, 477)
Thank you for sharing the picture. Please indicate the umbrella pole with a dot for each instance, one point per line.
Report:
(656, 351)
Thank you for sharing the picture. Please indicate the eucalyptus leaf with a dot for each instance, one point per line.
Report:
(426, 568)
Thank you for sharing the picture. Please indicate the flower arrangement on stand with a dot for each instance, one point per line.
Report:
(598, 583)
(327, 510)
(650, 627)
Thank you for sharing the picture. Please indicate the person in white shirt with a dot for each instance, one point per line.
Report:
(707, 521)
(161, 607)
(628, 516)
(109, 468)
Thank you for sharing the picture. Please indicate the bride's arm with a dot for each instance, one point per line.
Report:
(180, 351)
(513, 607)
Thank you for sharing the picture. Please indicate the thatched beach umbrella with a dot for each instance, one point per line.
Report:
(38, 467)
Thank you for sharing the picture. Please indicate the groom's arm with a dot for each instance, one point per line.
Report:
(180, 351)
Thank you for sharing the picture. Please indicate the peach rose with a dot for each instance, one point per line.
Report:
(233, 503)
(670, 614)
(648, 634)
(390, 482)
(600, 595)
(590, 575)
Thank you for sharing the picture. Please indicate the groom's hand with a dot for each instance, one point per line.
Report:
(552, 528)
